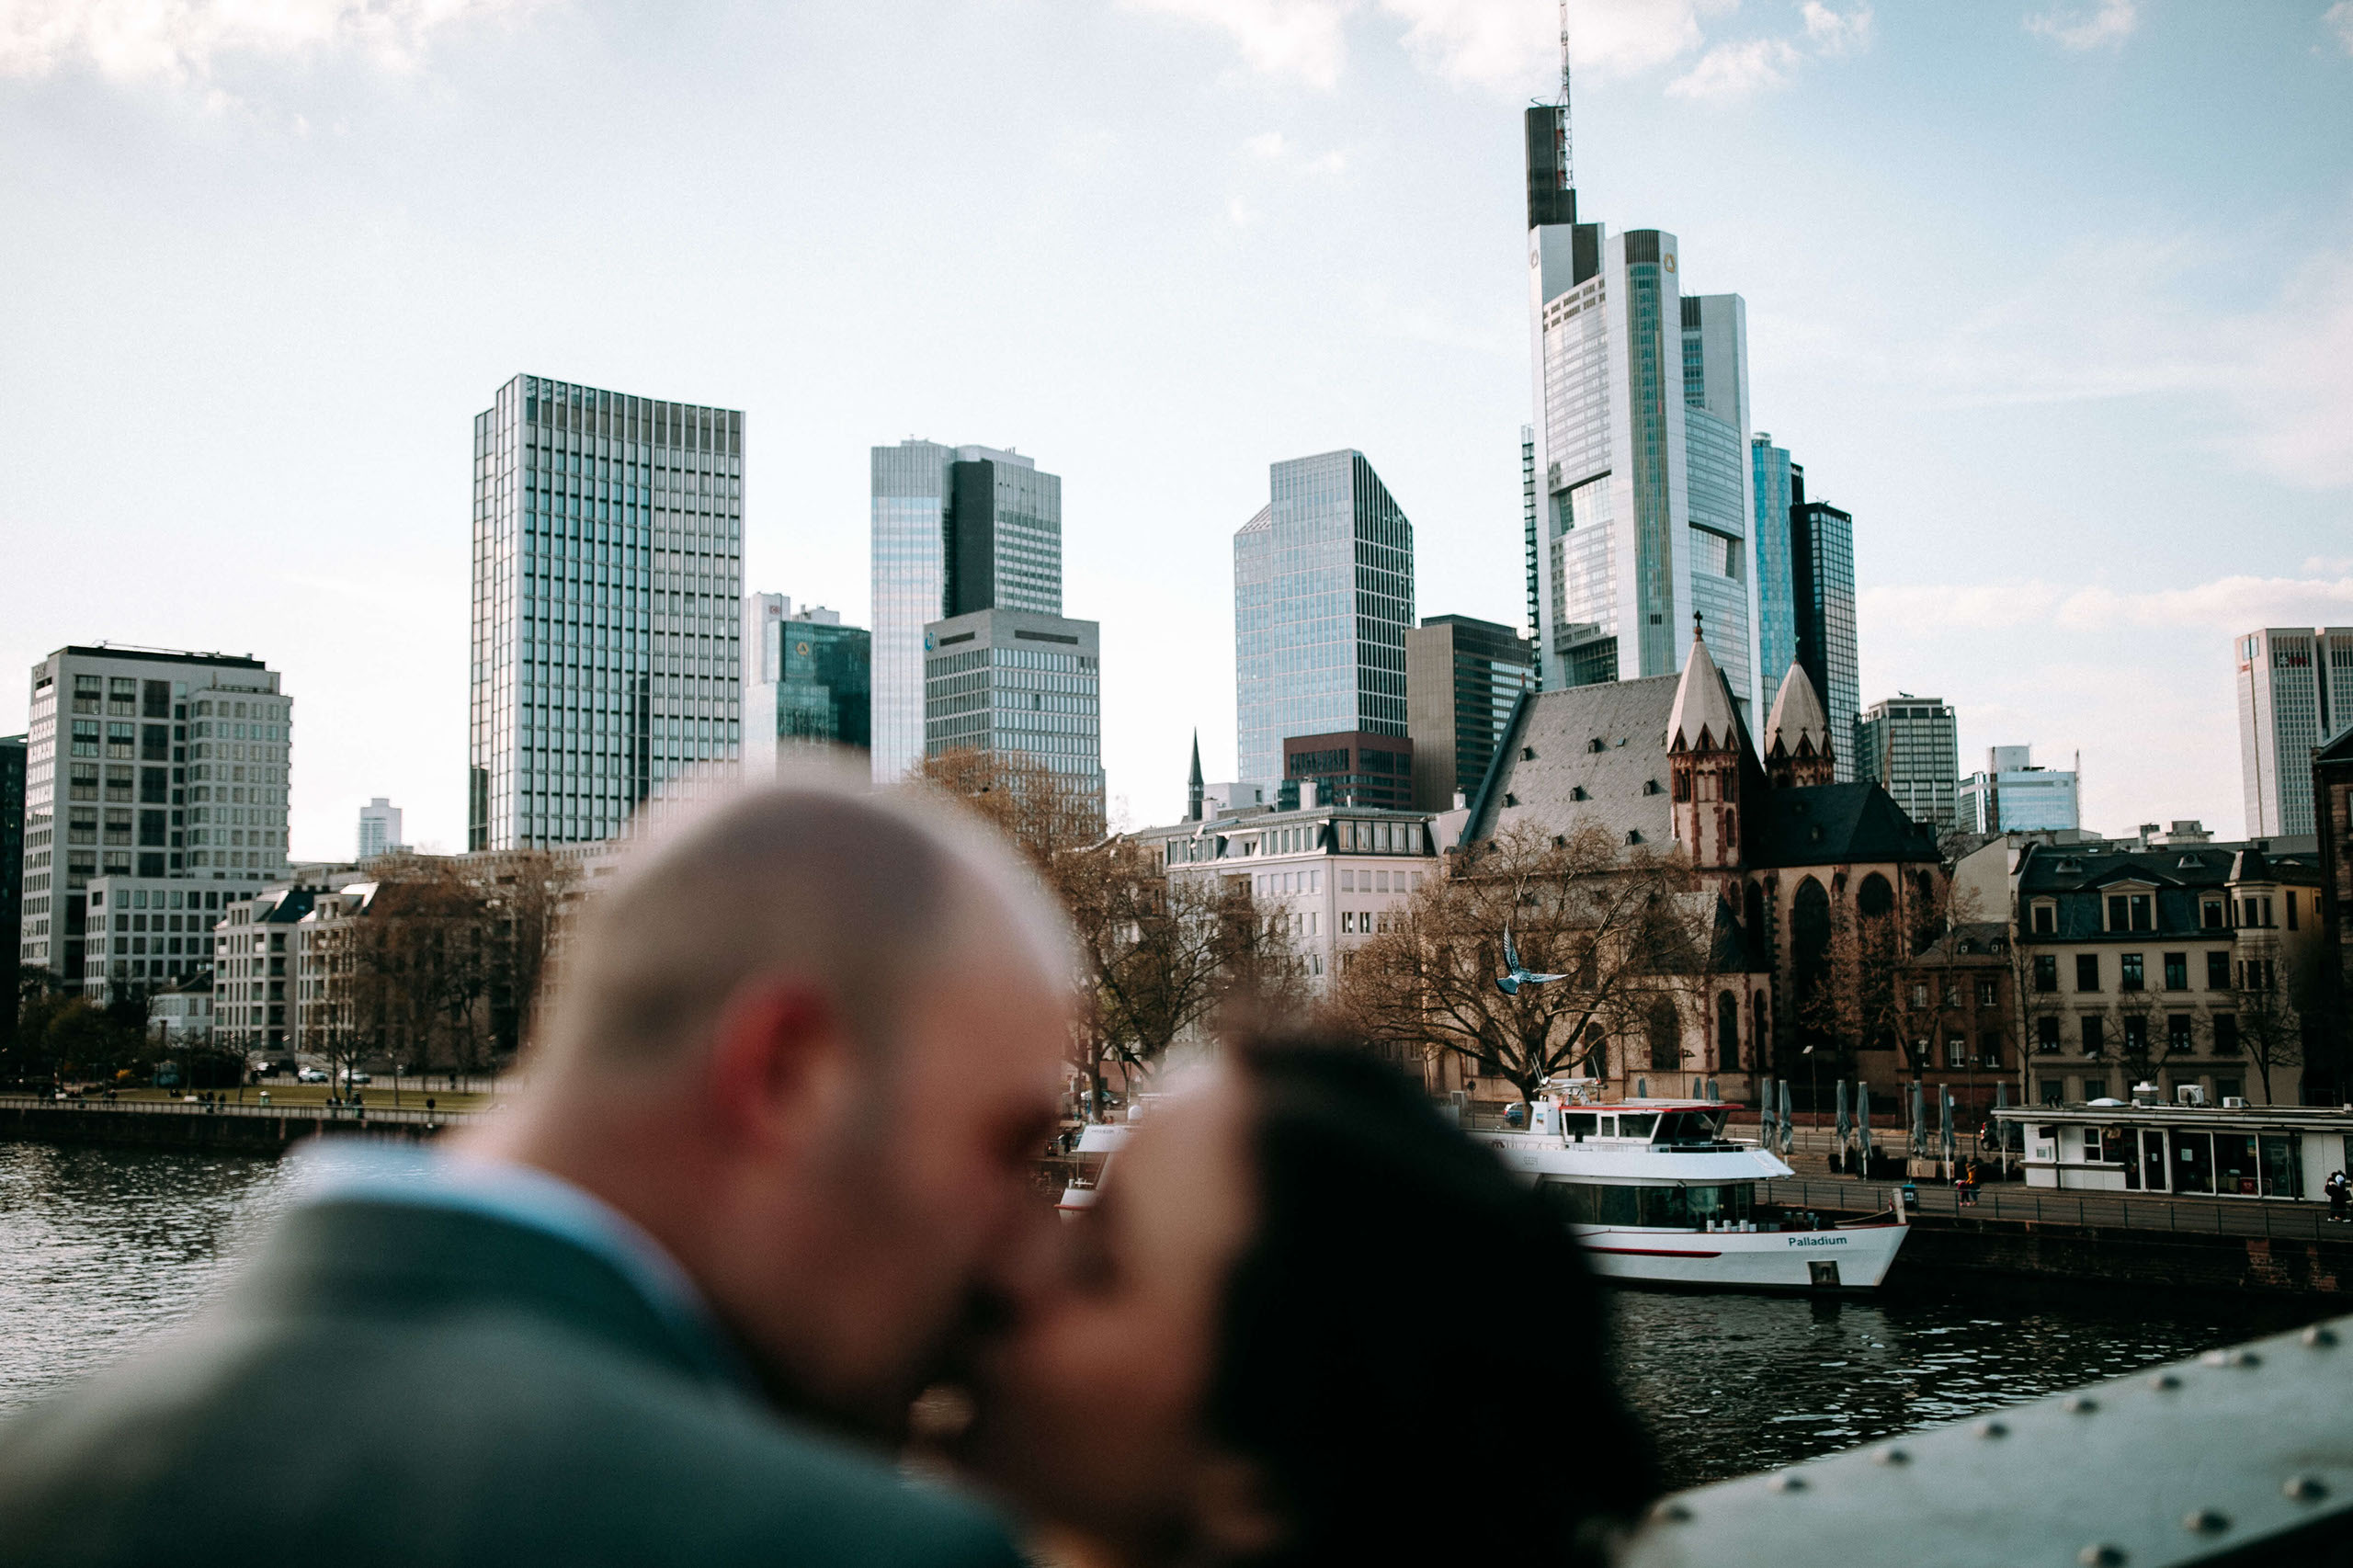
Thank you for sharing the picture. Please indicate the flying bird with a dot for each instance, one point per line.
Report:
(1517, 973)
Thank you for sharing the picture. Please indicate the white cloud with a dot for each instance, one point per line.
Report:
(2105, 26)
(2338, 19)
(1267, 144)
(176, 40)
(1733, 71)
(1833, 32)
(1303, 38)
(2222, 607)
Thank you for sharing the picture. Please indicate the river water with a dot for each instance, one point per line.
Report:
(101, 1249)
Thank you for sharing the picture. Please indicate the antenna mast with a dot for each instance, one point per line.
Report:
(1568, 159)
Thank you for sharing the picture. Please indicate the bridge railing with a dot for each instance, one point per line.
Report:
(2241, 1456)
(2289, 1218)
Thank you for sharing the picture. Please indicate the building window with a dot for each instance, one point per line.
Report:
(2046, 919)
(2209, 915)
(2226, 1034)
(2046, 1034)
(2136, 1036)
(1919, 995)
(2087, 971)
(2046, 971)
(2176, 971)
(1989, 992)
(2130, 977)
(1989, 1047)
(2218, 972)
(2095, 1034)
(2054, 1091)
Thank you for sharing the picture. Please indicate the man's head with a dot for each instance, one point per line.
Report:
(812, 1042)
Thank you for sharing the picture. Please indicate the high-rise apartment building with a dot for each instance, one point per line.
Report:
(380, 829)
(1019, 682)
(608, 585)
(2295, 692)
(807, 680)
(12, 859)
(955, 531)
(168, 767)
(2012, 795)
(1911, 748)
(1323, 598)
(1822, 574)
(1463, 676)
(1640, 471)
(1777, 627)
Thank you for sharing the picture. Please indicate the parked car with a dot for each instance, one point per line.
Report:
(311, 1075)
(357, 1077)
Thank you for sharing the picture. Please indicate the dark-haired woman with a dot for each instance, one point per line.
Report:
(1307, 1322)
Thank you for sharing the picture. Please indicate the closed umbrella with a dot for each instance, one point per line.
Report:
(1863, 1123)
(1789, 1126)
(1944, 1130)
(1842, 1116)
(1919, 1122)
(1765, 1135)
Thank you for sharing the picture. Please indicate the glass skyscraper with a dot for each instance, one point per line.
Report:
(1910, 747)
(1640, 474)
(2295, 691)
(1019, 682)
(1463, 677)
(956, 530)
(806, 680)
(1323, 595)
(1822, 573)
(1776, 626)
(608, 582)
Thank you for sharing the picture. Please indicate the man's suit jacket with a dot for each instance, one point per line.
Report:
(396, 1383)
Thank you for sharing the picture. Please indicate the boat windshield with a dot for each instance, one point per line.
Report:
(1636, 1126)
(1687, 1127)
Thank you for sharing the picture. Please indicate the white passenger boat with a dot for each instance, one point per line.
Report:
(1657, 1193)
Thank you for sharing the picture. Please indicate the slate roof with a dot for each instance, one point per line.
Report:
(2338, 750)
(1798, 719)
(1703, 717)
(1628, 718)
(1836, 824)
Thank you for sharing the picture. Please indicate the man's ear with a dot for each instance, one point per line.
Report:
(781, 1069)
(1234, 1508)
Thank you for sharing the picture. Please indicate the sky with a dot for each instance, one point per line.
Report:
(2056, 298)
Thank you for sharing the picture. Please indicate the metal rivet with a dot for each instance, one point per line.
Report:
(2205, 1521)
(2165, 1380)
(2305, 1488)
(1788, 1482)
(2099, 1554)
(2080, 1404)
(1671, 1513)
(1991, 1429)
(2216, 1357)
(2319, 1336)
(1891, 1455)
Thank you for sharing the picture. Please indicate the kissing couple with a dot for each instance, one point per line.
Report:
(768, 1178)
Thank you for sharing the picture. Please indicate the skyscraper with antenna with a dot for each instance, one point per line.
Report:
(1640, 478)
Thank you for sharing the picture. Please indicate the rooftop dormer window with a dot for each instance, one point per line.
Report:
(2132, 912)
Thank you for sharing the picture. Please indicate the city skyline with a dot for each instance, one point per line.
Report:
(2004, 450)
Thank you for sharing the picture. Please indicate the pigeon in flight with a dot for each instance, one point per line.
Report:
(1517, 973)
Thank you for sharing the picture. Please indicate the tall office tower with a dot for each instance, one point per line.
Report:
(1776, 626)
(1462, 677)
(2012, 795)
(806, 677)
(380, 829)
(1821, 579)
(11, 861)
(1322, 597)
(956, 530)
(1640, 465)
(608, 580)
(1528, 513)
(2295, 692)
(156, 769)
(1019, 682)
(1911, 748)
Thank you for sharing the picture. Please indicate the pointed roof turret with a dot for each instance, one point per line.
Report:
(1702, 717)
(1799, 726)
(1193, 786)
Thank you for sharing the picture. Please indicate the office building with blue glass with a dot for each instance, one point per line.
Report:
(955, 531)
(1822, 576)
(1322, 597)
(607, 654)
(806, 680)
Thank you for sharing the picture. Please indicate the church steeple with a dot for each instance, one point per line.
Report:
(1705, 752)
(1193, 787)
(1798, 747)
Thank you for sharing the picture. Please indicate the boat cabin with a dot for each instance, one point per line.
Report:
(1672, 1124)
(2276, 1151)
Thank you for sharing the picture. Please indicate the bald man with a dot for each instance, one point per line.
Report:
(775, 1147)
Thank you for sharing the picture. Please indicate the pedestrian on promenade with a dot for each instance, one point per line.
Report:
(2337, 1192)
(777, 1144)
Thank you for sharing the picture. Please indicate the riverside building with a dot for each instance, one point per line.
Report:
(955, 531)
(608, 582)
(1323, 598)
(146, 764)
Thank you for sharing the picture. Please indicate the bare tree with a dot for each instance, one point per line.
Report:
(1629, 931)
(1153, 951)
(1044, 813)
(2270, 1025)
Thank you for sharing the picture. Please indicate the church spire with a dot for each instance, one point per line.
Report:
(1798, 747)
(1193, 789)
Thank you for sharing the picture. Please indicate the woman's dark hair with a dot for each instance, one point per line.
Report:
(1411, 1347)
